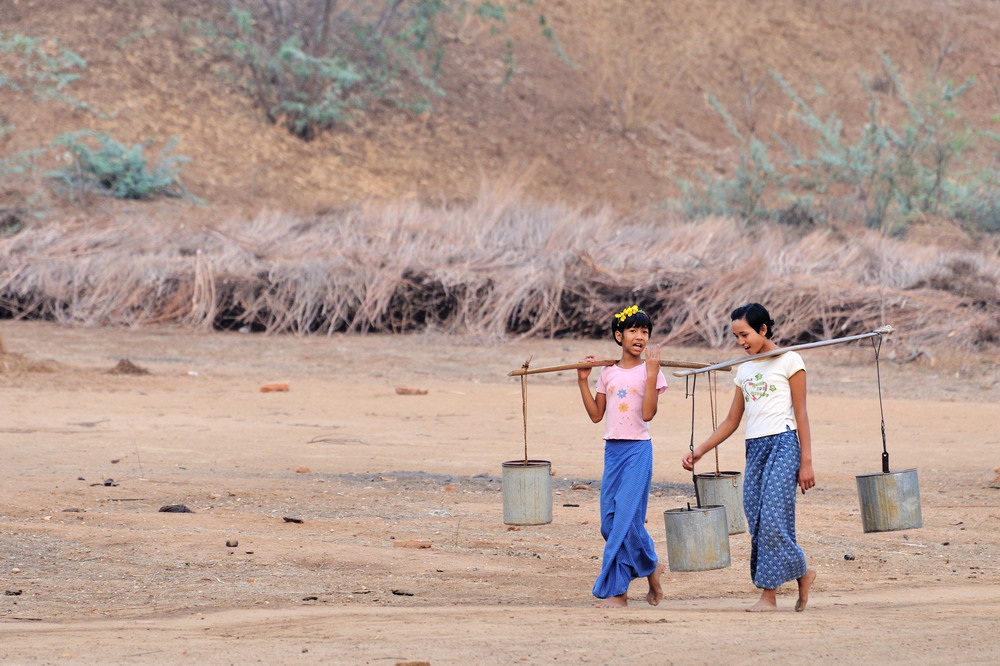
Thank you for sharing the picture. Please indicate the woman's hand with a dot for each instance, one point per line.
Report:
(583, 374)
(807, 478)
(688, 461)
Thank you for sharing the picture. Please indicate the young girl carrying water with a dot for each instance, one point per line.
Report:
(627, 392)
(772, 393)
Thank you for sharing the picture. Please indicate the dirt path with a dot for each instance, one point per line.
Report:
(93, 571)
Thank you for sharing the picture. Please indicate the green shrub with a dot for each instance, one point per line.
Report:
(114, 169)
(976, 203)
(889, 177)
(19, 163)
(312, 65)
(891, 174)
(41, 67)
(748, 194)
(44, 71)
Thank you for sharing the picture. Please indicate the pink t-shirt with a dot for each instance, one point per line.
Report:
(624, 390)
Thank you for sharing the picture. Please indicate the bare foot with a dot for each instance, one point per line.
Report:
(768, 602)
(655, 593)
(621, 601)
(804, 584)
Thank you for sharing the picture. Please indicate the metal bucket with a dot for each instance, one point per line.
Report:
(889, 501)
(725, 489)
(527, 492)
(697, 538)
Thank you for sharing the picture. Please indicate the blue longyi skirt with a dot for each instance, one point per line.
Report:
(769, 486)
(628, 551)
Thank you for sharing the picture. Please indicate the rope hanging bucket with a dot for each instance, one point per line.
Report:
(527, 484)
(725, 488)
(698, 537)
(889, 500)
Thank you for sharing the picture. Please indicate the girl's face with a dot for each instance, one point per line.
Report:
(634, 339)
(751, 341)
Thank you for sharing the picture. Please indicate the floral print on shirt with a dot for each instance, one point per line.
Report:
(755, 389)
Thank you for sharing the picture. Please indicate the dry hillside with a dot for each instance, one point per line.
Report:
(618, 128)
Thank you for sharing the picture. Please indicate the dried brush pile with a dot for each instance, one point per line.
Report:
(496, 269)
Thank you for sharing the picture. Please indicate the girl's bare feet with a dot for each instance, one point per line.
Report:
(804, 584)
(655, 593)
(768, 602)
(621, 601)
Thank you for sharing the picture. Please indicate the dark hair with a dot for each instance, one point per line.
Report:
(756, 317)
(621, 321)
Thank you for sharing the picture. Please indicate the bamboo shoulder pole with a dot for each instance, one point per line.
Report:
(726, 365)
(593, 364)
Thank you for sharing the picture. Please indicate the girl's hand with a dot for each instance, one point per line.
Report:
(807, 478)
(582, 374)
(653, 359)
(688, 461)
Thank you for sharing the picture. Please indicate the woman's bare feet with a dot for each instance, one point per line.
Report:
(621, 601)
(804, 584)
(655, 593)
(768, 602)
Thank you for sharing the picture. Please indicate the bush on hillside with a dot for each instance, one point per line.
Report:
(42, 69)
(115, 169)
(748, 195)
(39, 66)
(311, 65)
(890, 176)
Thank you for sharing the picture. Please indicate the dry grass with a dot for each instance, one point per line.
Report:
(498, 268)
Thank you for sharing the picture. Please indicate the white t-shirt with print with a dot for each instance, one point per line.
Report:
(624, 390)
(766, 394)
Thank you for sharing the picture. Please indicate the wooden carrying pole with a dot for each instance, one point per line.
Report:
(884, 330)
(523, 370)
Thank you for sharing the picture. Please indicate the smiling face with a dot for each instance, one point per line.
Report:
(633, 339)
(753, 342)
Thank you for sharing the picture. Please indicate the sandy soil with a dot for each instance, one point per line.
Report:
(93, 571)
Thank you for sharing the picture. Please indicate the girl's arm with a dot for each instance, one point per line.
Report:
(594, 405)
(650, 399)
(725, 429)
(797, 384)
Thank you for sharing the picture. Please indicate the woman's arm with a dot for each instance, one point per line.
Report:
(797, 384)
(594, 405)
(650, 399)
(722, 432)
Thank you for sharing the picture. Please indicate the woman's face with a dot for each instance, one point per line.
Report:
(751, 341)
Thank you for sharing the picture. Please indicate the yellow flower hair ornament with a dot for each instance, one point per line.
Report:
(627, 312)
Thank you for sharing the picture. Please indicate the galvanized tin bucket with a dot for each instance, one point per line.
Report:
(889, 501)
(726, 489)
(697, 538)
(527, 492)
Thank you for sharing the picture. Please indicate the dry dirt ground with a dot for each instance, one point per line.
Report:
(93, 571)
